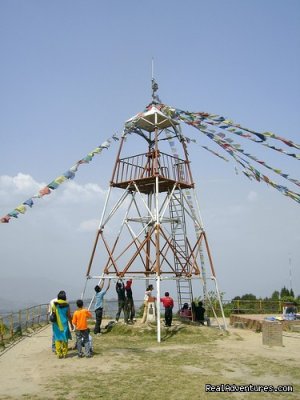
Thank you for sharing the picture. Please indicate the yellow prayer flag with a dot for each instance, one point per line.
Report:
(21, 208)
(60, 179)
(268, 134)
(97, 150)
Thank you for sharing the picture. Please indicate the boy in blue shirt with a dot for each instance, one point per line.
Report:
(98, 308)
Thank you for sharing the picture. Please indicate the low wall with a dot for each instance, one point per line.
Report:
(254, 322)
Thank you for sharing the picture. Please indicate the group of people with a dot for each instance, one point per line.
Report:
(167, 302)
(62, 320)
(194, 313)
(125, 303)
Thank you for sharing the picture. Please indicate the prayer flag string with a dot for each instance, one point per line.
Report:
(69, 174)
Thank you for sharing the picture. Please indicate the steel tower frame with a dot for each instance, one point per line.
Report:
(157, 201)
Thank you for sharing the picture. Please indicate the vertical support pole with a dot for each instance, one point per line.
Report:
(158, 308)
(147, 261)
(157, 254)
(157, 229)
(220, 302)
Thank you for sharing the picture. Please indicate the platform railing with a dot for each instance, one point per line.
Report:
(145, 165)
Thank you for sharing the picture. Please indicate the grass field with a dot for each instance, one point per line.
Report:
(129, 364)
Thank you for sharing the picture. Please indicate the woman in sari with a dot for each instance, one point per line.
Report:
(61, 330)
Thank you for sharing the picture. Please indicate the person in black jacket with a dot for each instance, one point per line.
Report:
(122, 306)
(198, 311)
(129, 302)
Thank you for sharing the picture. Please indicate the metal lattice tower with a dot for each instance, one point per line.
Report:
(159, 232)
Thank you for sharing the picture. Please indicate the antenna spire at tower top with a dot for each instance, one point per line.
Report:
(155, 98)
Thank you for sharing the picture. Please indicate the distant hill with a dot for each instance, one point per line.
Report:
(20, 292)
(7, 305)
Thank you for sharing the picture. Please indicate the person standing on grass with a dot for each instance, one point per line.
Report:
(129, 301)
(198, 311)
(122, 301)
(168, 303)
(61, 328)
(50, 307)
(79, 320)
(98, 308)
(148, 295)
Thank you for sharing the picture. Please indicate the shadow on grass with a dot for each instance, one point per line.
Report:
(171, 331)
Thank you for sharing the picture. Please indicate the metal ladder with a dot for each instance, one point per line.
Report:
(178, 230)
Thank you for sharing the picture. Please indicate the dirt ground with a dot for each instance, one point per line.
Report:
(27, 368)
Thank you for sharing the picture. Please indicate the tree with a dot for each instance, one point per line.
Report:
(275, 295)
(284, 292)
(248, 296)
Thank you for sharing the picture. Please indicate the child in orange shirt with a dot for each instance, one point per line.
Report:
(79, 320)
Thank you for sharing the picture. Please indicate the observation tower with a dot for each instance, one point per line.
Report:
(150, 228)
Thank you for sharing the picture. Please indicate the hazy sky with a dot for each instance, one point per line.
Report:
(72, 72)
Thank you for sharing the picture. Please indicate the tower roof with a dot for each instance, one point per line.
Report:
(151, 119)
